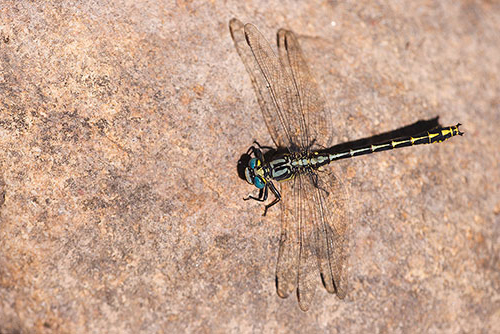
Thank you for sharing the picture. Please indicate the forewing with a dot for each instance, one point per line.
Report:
(331, 220)
(260, 85)
(308, 276)
(288, 255)
(297, 261)
(316, 118)
(281, 89)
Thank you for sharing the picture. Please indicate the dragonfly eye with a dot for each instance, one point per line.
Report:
(249, 175)
(258, 182)
(254, 162)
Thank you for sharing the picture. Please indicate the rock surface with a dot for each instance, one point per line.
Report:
(121, 124)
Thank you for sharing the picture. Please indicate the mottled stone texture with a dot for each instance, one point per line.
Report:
(121, 124)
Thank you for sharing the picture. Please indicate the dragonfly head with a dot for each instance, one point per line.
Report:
(255, 174)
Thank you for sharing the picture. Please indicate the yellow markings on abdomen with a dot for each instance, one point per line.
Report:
(375, 148)
(429, 137)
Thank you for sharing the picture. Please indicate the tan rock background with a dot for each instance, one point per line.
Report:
(121, 123)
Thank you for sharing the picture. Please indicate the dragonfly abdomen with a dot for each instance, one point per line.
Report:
(434, 136)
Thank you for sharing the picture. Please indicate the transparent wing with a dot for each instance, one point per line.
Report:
(281, 88)
(314, 235)
(331, 221)
(292, 104)
(308, 277)
(297, 264)
(289, 247)
(317, 118)
(273, 109)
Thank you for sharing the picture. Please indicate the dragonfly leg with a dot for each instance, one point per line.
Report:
(256, 152)
(313, 142)
(277, 197)
(262, 196)
(262, 147)
(314, 178)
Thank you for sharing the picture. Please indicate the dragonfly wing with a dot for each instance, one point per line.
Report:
(288, 255)
(260, 85)
(297, 266)
(281, 89)
(308, 276)
(317, 128)
(331, 222)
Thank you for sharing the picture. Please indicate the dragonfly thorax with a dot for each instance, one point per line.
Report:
(282, 167)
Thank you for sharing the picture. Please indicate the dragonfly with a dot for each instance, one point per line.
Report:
(313, 201)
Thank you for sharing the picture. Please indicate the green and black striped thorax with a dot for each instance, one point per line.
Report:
(283, 167)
